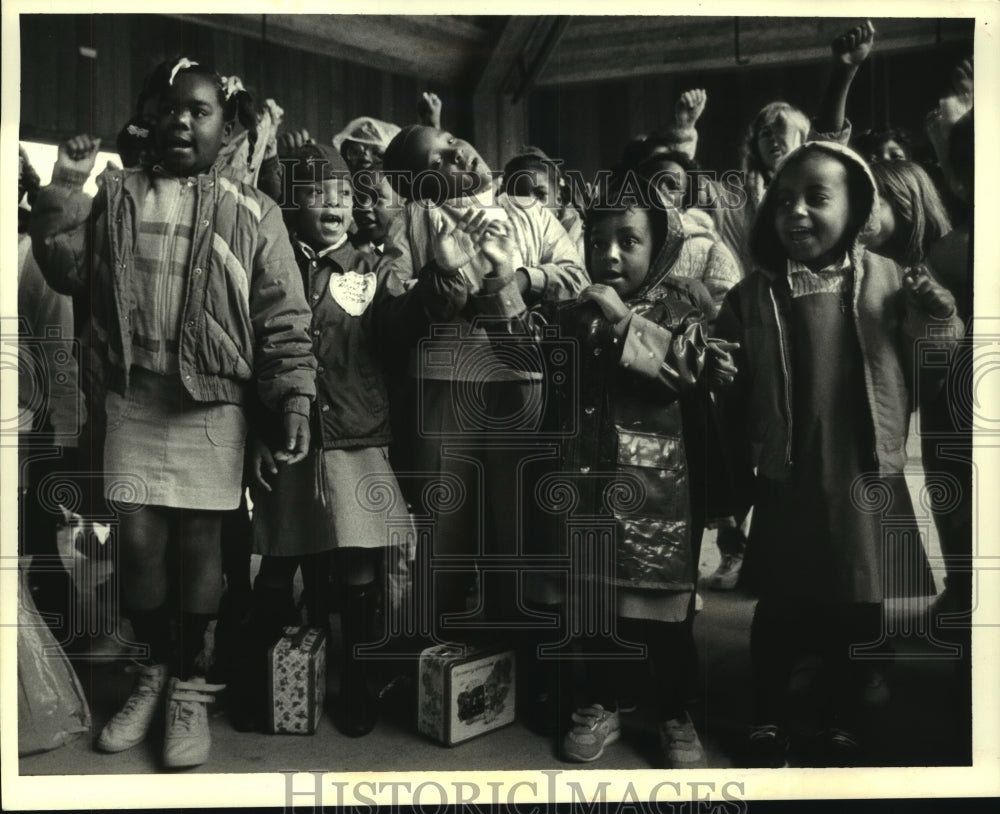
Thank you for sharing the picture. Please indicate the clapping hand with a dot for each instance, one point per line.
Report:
(459, 245)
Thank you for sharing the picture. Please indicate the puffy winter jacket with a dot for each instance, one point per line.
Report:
(245, 317)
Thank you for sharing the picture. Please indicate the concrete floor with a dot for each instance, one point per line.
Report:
(906, 732)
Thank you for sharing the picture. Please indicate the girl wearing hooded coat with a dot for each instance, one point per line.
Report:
(820, 412)
(636, 453)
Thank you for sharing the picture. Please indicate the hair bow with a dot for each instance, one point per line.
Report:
(231, 85)
(182, 65)
(139, 132)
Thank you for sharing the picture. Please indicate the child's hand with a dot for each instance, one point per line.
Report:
(608, 301)
(928, 294)
(719, 365)
(689, 107)
(78, 154)
(292, 140)
(296, 439)
(429, 110)
(457, 246)
(853, 47)
(260, 463)
(961, 80)
(498, 248)
(275, 111)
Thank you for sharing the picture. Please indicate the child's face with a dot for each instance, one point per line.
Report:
(324, 213)
(387, 206)
(812, 209)
(621, 249)
(891, 151)
(536, 183)
(463, 169)
(190, 125)
(777, 139)
(362, 156)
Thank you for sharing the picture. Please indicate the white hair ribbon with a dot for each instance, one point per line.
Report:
(182, 64)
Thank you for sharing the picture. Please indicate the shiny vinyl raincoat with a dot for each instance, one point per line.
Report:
(633, 421)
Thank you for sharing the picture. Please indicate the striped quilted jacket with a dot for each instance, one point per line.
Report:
(245, 317)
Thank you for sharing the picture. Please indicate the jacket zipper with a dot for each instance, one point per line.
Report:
(869, 387)
(784, 370)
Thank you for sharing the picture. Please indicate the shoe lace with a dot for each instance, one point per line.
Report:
(590, 717)
(149, 684)
(680, 731)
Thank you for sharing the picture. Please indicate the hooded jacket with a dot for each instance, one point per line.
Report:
(624, 418)
(755, 314)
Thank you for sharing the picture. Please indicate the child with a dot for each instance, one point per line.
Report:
(882, 146)
(703, 255)
(911, 215)
(820, 407)
(195, 297)
(532, 174)
(302, 512)
(467, 396)
(644, 414)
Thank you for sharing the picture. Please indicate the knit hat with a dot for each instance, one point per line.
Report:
(311, 162)
(367, 130)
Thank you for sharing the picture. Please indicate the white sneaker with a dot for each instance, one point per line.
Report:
(131, 725)
(594, 727)
(680, 745)
(188, 740)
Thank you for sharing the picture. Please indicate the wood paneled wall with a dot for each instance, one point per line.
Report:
(64, 92)
(588, 124)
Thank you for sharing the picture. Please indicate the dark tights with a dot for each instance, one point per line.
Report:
(148, 537)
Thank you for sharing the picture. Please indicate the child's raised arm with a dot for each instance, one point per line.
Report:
(429, 110)
(60, 236)
(850, 49)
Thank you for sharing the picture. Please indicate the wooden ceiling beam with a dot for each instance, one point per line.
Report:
(571, 65)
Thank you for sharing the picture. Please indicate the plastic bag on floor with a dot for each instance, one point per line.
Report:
(51, 707)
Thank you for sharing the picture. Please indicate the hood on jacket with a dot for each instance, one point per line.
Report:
(666, 221)
(765, 246)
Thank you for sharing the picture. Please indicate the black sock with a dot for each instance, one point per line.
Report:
(191, 641)
(152, 628)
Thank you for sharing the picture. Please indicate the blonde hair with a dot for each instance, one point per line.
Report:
(757, 174)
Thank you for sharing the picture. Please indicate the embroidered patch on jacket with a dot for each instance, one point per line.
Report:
(352, 291)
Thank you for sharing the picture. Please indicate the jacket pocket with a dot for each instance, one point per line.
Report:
(226, 425)
(222, 354)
